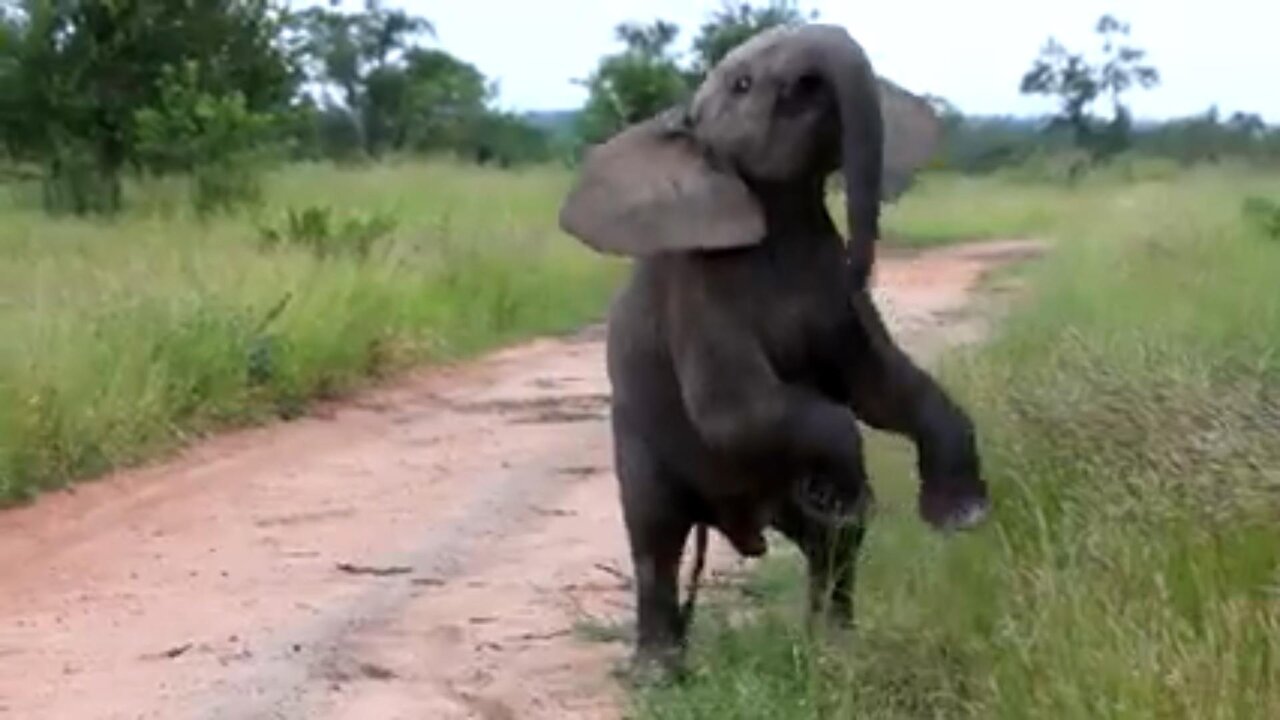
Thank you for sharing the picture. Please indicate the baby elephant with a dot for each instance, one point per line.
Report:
(746, 346)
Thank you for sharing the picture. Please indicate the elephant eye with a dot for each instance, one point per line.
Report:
(741, 85)
(807, 85)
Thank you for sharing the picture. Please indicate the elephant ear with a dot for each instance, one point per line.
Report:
(652, 189)
(912, 131)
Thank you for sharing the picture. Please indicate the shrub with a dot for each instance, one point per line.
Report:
(1263, 214)
(315, 230)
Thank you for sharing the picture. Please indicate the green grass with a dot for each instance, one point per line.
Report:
(123, 339)
(120, 340)
(940, 209)
(1129, 414)
(944, 209)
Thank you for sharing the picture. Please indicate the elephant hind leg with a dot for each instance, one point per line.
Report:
(658, 519)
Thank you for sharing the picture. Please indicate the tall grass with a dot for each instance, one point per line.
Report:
(121, 339)
(944, 208)
(1129, 416)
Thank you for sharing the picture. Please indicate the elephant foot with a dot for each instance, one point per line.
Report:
(652, 667)
(954, 508)
(836, 625)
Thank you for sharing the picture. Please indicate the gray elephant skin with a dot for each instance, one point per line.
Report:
(745, 346)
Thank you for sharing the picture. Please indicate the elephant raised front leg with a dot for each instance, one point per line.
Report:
(890, 392)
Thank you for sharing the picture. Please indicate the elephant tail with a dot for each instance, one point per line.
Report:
(695, 574)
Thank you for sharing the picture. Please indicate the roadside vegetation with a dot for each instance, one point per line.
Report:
(124, 338)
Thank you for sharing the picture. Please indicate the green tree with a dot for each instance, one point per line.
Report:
(736, 22)
(648, 76)
(634, 84)
(76, 74)
(11, 32)
(216, 138)
(1077, 84)
(1207, 137)
(396, 95)
(361, 54)
(439, 98)
(505, 139)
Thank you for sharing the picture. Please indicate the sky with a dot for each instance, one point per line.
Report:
(971, 52)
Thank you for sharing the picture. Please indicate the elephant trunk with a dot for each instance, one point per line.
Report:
(846, 68)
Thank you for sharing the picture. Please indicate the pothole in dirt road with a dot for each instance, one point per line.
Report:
(579, 470)
(551, 383)
(543, 410)
(340, 670)
(1003, 252)
(595, 332)
(291, 519)
(557, 416)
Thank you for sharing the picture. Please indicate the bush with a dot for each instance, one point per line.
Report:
(315, 230)
(76, 184)
(216, 139)
(1065, 167)
(1263, 214)
(225, 187)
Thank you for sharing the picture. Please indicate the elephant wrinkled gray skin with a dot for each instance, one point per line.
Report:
(746, 345)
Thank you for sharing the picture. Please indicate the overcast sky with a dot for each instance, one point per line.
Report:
(972, 52)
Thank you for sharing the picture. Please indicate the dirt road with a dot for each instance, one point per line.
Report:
(424, 551)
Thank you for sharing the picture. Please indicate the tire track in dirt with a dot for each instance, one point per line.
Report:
(433, 549)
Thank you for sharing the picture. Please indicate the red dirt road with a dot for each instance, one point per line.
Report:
(423, 551)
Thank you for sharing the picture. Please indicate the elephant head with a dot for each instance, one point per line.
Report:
(785, 108)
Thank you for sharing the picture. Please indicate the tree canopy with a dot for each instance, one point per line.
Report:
(736, 22)
(637, 82)
(1077, 84)
(93, 90)
(83, 84)
(649, 74)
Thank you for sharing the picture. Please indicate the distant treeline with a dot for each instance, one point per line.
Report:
(93, 91)
(984, 143)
